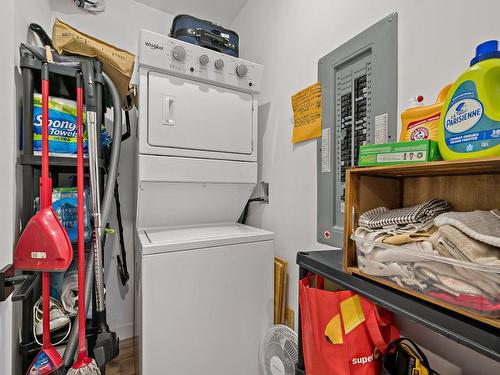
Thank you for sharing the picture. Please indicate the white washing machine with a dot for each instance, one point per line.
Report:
(204, 283)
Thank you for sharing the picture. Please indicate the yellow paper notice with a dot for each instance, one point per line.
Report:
(306, 105)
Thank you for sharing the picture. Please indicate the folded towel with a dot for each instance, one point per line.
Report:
(405, 238)
(483, 226)
(483, 280)
(369, 235)
(412, 252)
(404, 282)
(443, 249)
(382, 217)
(371, 267)
(451, 242)
(414, 227)
(393, 235)
(456, 279)
(445, 274)
(367, 216)
(458, 285)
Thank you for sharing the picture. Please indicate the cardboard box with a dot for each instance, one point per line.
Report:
(410, 152)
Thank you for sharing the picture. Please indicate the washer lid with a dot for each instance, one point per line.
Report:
(163, 240)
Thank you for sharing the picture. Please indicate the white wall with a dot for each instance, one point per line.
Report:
(7, 162)
(118, 25)
(436, 42)
(16, 23)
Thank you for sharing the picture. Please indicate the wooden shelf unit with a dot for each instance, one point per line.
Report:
(466, 184)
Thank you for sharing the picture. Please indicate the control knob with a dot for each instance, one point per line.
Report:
(241, 70)
(219, 64)
(204, 59)
(179, 53)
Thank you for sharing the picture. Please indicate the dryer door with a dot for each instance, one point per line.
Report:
(190, 115)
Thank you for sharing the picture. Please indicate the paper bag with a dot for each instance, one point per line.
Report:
(118, 64)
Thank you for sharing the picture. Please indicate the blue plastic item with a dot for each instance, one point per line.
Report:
(65, 207)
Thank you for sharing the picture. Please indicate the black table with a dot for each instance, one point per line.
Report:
(476, 335)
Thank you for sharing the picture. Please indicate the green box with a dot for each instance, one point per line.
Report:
(409, 152)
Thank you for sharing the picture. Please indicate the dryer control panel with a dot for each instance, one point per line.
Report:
(198, 63)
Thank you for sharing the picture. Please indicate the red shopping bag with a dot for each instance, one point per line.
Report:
(342, 332)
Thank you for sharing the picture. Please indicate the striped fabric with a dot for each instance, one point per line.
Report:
(382, 217)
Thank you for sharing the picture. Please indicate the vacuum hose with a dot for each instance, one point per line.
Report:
(115, 151)
(72, 344)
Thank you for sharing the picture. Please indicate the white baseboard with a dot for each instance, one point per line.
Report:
(124, 331)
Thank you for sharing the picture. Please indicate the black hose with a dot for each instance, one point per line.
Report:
(122, 262)
(42, 35)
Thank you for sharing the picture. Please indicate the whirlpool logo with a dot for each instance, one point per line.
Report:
(154, 46)
(463, 115)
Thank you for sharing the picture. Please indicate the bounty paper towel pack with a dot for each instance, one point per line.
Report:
(470, 121)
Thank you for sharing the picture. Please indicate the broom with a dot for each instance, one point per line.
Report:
(84, 365)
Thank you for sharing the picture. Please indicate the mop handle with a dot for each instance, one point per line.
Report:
(46, 310)
(45, 198)
(45, 180)
(82, 347)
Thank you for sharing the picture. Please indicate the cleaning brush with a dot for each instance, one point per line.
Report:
(84, 365)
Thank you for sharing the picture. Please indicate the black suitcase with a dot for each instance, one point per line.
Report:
(205, 34)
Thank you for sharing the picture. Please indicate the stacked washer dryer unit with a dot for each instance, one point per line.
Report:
(204, 284)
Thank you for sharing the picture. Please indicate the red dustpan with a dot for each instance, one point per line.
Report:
(44, 244)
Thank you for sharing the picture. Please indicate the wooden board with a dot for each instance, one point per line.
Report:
(436, 168)
(362, 194)
(458, 190)
(284, 290)
(290, 318)
(490, 321)
(278, 290)
(284, 306)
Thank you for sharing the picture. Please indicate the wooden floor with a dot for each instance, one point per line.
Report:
(124, 364)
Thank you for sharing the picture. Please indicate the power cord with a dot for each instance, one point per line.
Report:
(37, 316)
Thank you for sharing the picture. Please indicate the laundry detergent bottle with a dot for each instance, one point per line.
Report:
(470, 122)
(422, 122)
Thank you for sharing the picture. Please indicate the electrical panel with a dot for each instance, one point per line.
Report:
(359, 101)
(352, 110)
